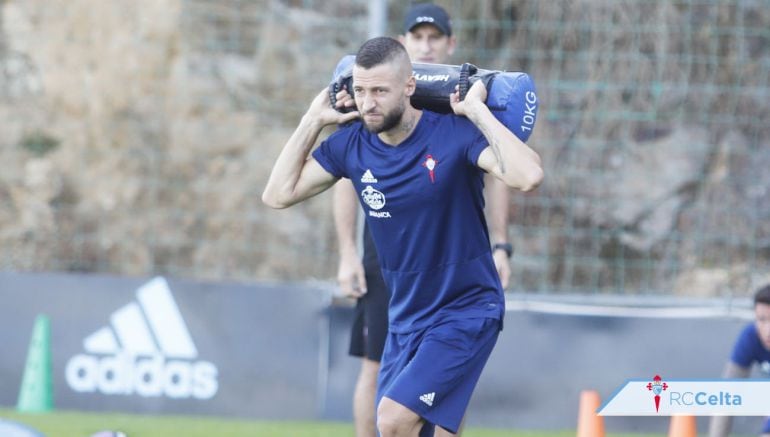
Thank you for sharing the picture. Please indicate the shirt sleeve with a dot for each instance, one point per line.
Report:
(743, 351)
(331, 155)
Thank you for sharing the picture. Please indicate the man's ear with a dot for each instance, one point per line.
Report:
(411, 86)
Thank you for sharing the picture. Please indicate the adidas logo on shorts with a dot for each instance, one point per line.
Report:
(427, 398)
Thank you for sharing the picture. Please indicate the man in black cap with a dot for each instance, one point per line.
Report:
(427, 38)
(428, 34)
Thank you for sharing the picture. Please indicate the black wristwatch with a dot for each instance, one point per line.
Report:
(507, 247)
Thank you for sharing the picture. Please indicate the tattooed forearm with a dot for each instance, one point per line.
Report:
(498, 155)
(495, 145)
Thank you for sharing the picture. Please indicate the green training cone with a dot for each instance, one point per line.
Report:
(36, 393)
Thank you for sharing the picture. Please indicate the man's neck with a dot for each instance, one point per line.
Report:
(405, 127)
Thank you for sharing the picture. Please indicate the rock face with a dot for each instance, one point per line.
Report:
(160, 120)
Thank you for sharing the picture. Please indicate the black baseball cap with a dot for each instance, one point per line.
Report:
(429, 13)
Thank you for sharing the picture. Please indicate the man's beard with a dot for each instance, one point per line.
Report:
(389, 120)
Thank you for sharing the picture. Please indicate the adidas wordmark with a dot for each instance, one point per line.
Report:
(147, 350)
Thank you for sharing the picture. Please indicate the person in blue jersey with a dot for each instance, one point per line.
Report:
(751, 347)
(423, 202)
(428, 38)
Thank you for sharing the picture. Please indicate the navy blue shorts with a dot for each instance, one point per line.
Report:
(433, 372)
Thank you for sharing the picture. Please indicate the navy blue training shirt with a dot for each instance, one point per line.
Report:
(424, 206)
(749, 349)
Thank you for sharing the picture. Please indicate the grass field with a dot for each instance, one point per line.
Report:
(77, 424)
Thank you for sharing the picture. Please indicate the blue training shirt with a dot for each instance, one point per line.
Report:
(424, 206)
(749, 349)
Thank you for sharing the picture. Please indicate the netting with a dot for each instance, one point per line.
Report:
(654, 128)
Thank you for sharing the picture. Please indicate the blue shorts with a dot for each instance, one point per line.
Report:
(433, 371)
(766, 428)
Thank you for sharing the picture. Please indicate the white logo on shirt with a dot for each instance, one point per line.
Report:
(368, 177)
(382, 214)
(373, 198)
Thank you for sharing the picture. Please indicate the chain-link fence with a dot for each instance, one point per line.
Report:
(654, 128)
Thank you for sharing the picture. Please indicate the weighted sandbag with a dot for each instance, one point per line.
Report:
(511, 96)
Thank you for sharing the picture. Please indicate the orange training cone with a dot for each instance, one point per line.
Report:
(683, 426)
(590, 424)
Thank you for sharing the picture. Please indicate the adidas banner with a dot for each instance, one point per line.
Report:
(158, 345)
